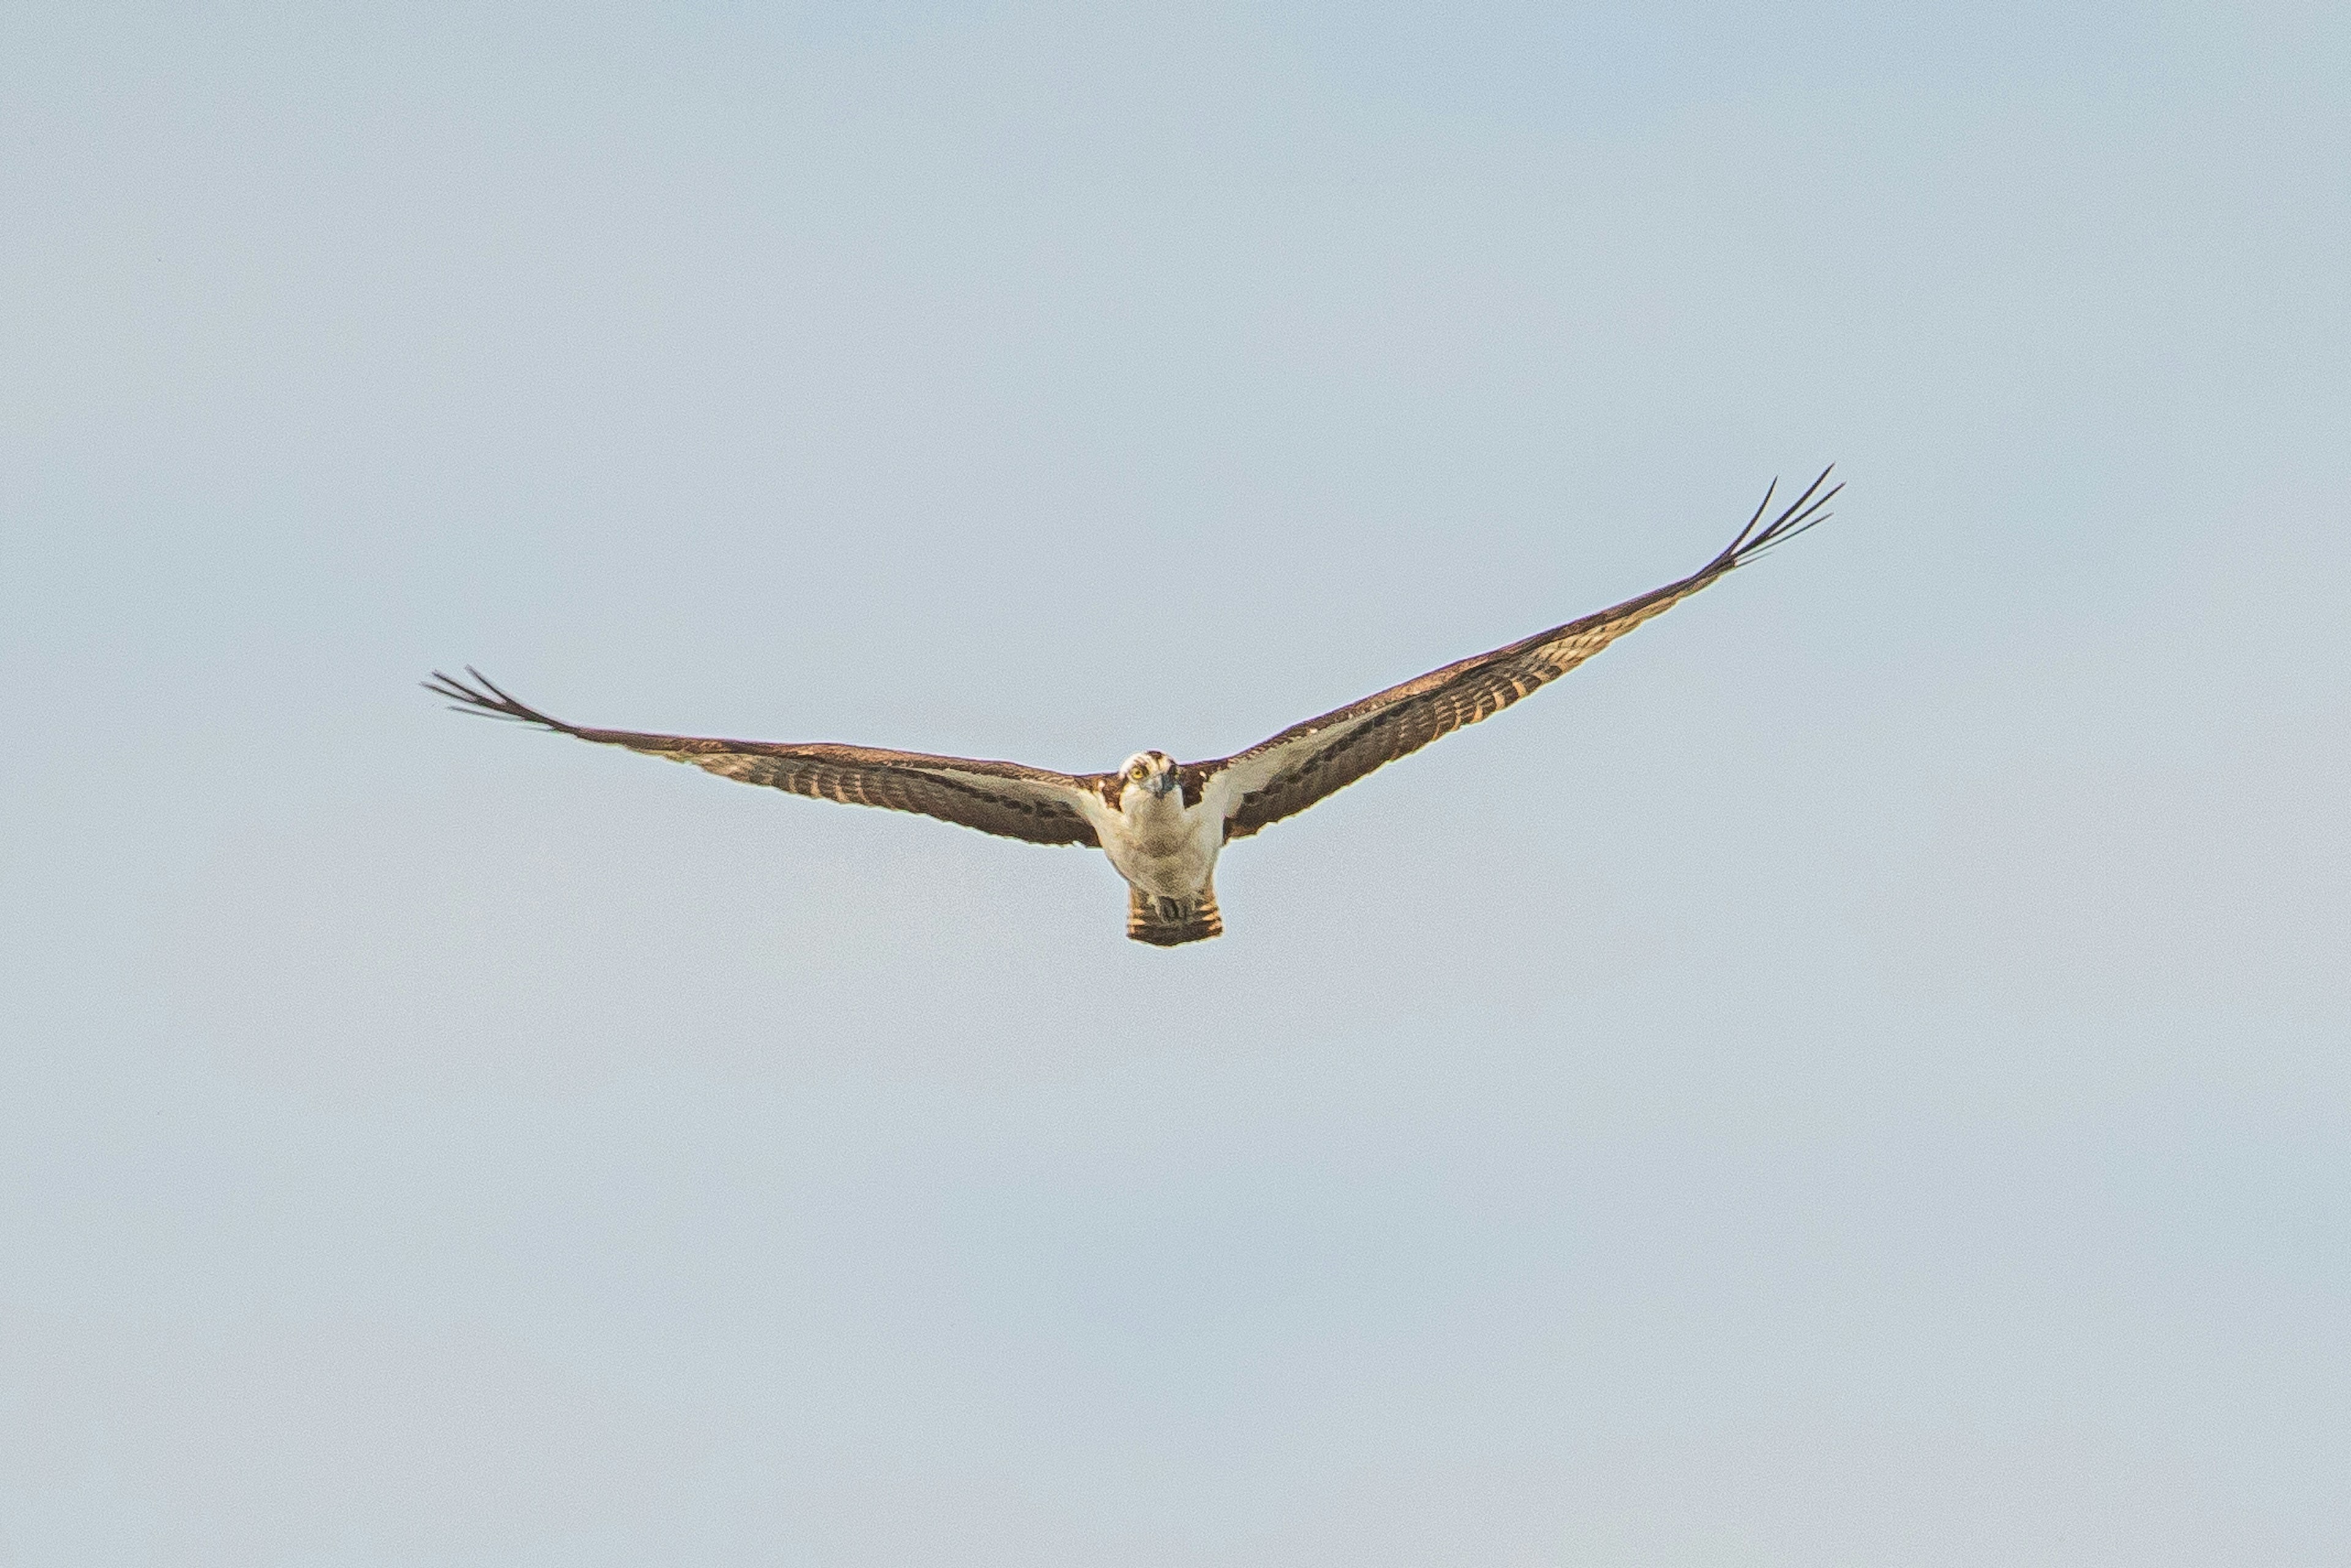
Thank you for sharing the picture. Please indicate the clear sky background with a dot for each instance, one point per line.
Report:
(1857, 1074)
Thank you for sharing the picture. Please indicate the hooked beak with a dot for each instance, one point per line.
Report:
(1161, 783)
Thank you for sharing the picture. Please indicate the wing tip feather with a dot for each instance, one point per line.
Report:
(1807, 511)
(483, 699)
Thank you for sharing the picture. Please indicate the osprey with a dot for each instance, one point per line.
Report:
(1163, 822)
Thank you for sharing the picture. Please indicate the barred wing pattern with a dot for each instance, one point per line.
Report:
(1282, 775)
(1006, 799)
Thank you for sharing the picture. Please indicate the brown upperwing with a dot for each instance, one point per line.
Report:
(1282, 775)
(1002, 798)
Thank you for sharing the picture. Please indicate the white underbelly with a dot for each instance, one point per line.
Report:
(1170, 853)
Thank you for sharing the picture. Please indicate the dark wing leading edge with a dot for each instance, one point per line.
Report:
(1282, 777)
(1003, 798)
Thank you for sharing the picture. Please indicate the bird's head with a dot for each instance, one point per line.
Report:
(1152, 770)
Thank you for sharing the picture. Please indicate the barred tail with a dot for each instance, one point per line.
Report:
(1171, 922)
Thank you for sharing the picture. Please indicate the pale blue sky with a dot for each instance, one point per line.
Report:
(1857, 1074)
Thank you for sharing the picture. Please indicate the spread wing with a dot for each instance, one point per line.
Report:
(1282, 777)
(1003, 798)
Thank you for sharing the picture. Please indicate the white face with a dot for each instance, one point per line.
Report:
(1155, 770)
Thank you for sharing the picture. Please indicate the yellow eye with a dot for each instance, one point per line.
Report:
(1138, 773)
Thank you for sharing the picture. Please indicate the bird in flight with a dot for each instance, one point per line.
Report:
(1163, 822)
